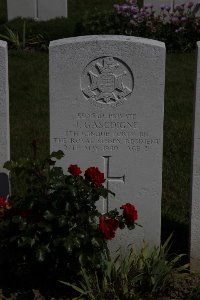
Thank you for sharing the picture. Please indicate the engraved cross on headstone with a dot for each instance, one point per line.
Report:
(109, 179)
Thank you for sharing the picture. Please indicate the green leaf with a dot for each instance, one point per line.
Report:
(46, 226)
(110, 192)
(62, 221)
(95, 242)
(32, 243)
(77, 243)
(73, 190)
(57, 154)
(76, 288)
(48, 215)
(40, 254)
(131, 226)
(9, 165)
(68, 245)
(82, 259)
(16, 219)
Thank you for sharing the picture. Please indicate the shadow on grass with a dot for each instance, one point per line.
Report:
(180, 238)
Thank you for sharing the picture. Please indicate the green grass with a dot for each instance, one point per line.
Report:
(3, 11)
(29, 110)
(28, 77)
(179, 96)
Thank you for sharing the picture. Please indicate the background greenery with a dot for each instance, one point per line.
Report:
(29, 108)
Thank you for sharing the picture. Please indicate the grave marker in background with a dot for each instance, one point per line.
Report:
(36, 9)
(157, 3)
(22, 8)
(195, 209)
(4, 118)
(171, 3)
(106, 110)
(49, 9)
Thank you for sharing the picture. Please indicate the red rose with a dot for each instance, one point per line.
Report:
(108, 227)
(93, 175)
(38, 173)
(24, 213)
(4, 203)
(74, 170)
(129, 213)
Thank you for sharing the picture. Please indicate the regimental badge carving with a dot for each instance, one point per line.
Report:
(107, 80)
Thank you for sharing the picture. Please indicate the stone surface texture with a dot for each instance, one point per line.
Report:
(49, 9)
(195, 209)
(4, 117)
(106, 110)
(22, 8)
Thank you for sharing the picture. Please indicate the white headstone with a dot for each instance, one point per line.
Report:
(4, 118)
(22, 8)
(49, 9)
(158, 3)
(36, 9)
(195, 209)
(106, 110)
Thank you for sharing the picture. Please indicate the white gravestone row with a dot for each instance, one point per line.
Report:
(36, 9)
(195, 208)
(157, 3)
(171, 3)
(4, 118)
(106, 110)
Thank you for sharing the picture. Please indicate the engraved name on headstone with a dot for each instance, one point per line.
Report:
(4, 118)
(195, 208)
(106, 110)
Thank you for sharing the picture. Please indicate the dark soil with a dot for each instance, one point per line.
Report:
(186, 287)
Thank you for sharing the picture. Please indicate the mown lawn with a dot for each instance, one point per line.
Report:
(3, 10)
(29, 111)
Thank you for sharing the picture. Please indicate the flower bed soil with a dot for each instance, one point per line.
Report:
(181, 289)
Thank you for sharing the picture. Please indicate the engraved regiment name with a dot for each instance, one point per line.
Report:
(107, 132)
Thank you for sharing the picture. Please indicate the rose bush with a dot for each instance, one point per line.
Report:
(50, 227)
(179, 28)
(5, 206)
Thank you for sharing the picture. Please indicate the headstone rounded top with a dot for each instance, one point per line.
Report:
(99, 38)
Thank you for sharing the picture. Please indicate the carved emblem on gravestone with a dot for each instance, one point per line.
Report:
(107, 80)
